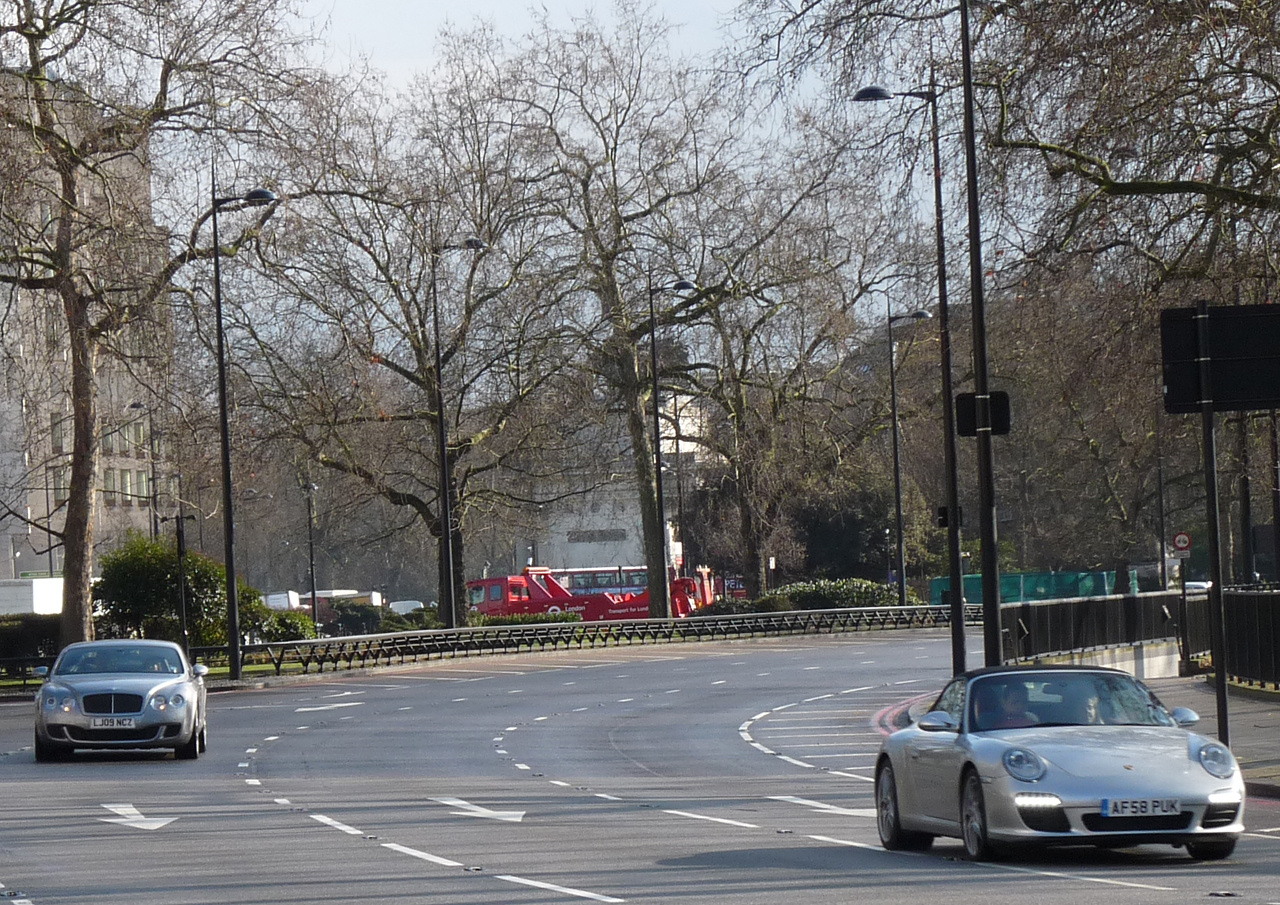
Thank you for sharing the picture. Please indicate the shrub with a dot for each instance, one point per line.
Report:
(523, 619)
(29, 635)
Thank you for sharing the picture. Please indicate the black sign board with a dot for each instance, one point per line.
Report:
(1244, 359)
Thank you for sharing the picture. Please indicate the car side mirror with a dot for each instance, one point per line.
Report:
(200, 670)
(1185, 716)
(938, 721)
(40, 672)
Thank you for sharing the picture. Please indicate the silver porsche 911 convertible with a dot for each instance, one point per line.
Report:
(121, 694)
(1073, 755)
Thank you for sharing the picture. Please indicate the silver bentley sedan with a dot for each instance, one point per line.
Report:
(121, 694)
(1072, 755)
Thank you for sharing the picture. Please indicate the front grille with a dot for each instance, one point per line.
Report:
(1045, 820)
(97, 736)
(1220, 815)
(1096, 823)
(113, 703)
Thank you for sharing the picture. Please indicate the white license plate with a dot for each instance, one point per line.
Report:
(1140, 807)
(111, 722)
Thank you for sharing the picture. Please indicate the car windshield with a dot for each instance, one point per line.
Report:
(135, 658)
(1021, 700)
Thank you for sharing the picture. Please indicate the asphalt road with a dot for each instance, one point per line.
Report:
(733, 772)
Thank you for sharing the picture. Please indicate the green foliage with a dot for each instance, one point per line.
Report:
(822, 594)
(29, 635)
(289, 625)
(769, 603)
(138, 594)
(421, 618)
(524, 619)
(355, 619)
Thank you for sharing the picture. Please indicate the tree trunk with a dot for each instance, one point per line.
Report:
(77, 568)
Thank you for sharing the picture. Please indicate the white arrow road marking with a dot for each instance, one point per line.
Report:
(328, 707)
(467, 809)
(131, 816)
(826, 808)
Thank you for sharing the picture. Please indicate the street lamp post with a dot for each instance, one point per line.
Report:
(992, 636)
(310, 490)
(663, 590)
(897, 460)
(254, 198)
(955, 562)
(446, 607)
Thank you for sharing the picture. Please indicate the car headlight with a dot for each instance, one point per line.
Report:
(1023, 764)
(58, 700)
(166, 701)
(1217, 761)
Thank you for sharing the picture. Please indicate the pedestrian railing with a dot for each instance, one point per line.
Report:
(408, 647)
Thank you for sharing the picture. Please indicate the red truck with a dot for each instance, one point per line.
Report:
(536, 591)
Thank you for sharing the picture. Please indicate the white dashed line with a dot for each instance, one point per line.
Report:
(749, 826)
(566, 890)
(425, 856)
(329, 821)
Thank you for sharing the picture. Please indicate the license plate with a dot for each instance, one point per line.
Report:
(111, 722)
(1140, 807)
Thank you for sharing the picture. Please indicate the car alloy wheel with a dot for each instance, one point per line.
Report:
(973, 819)
(888, 820)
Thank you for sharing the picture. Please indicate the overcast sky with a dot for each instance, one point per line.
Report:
(399, 35)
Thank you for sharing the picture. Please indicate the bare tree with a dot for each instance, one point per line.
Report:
(96, 89)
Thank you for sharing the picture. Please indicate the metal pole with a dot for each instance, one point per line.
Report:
(991, 634)
(228, 520)
(663, 591)
(155, 499)
(181, 542)
(954, 553)
(897, 467)
(311, 557)
(1217, 626)
(446, 608)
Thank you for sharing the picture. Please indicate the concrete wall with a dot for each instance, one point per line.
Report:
(19, 596)
(1148, 660)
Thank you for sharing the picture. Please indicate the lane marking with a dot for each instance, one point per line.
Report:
(833, 841)
(329, 707)
(329, 821)
(566, 890)
(727, 822)
(425, 856)
(824, 807)
(1061, 876)
(467, 809)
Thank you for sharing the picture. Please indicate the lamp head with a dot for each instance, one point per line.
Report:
(873, 93)
(259, 196)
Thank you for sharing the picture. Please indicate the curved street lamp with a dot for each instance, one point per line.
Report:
(663, 598)
(254, 198)
(955, 557)
(897, 460)
(445, 609)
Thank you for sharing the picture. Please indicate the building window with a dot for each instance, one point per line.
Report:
(109, 443)
(143, 487)
(126, 487)
(56, 433)
(109, 486)
(61, 489)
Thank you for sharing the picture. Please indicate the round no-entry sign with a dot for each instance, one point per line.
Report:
(1182, 541)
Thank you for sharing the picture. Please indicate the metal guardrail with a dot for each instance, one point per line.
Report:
(1253, 635)
(356, 652)
(1052, 627)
